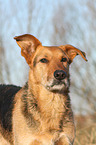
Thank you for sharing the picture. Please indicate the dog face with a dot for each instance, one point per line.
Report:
(49, 65)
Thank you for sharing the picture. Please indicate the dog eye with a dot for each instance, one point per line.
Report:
(44, 60)
(64, 59)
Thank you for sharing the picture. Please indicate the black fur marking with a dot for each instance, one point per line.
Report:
(29, 108)
(35, 61)
(66, 116)
(7, 93)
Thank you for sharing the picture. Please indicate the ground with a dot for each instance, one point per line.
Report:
(85, 130)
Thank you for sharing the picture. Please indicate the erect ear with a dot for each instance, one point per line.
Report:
(72, 51)
(28, 44)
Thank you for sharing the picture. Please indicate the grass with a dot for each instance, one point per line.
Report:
(85, 130)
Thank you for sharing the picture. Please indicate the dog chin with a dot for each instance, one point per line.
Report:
(63, 87)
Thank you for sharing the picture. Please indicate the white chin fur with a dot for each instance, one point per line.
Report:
(57, 86)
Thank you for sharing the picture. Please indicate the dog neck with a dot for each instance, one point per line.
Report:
(46, 97)
(49, 106)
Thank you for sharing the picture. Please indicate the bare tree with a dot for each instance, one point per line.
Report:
(17, 20)
(1, 54)
(3, 62)
(68, 29)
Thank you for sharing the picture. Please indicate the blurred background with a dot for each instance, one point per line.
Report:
(53, 22)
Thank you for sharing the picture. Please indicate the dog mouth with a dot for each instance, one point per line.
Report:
(58, 85)
(56, 82)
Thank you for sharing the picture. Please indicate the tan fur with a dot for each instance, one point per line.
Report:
(42, 112)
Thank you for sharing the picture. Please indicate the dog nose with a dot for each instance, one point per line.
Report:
(60, 74)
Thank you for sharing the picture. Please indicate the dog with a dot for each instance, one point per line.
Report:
(40, 112)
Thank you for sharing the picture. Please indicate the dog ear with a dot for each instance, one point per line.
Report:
(28, 44)
(72, 51)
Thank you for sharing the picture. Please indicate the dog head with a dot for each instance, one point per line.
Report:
(49, 66)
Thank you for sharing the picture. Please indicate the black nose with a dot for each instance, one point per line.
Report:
(60, 74)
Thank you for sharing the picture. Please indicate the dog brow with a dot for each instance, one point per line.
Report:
(34, 62)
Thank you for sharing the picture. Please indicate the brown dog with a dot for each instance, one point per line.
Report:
(40, 112)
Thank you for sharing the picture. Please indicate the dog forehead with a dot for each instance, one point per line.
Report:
(51, 50)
